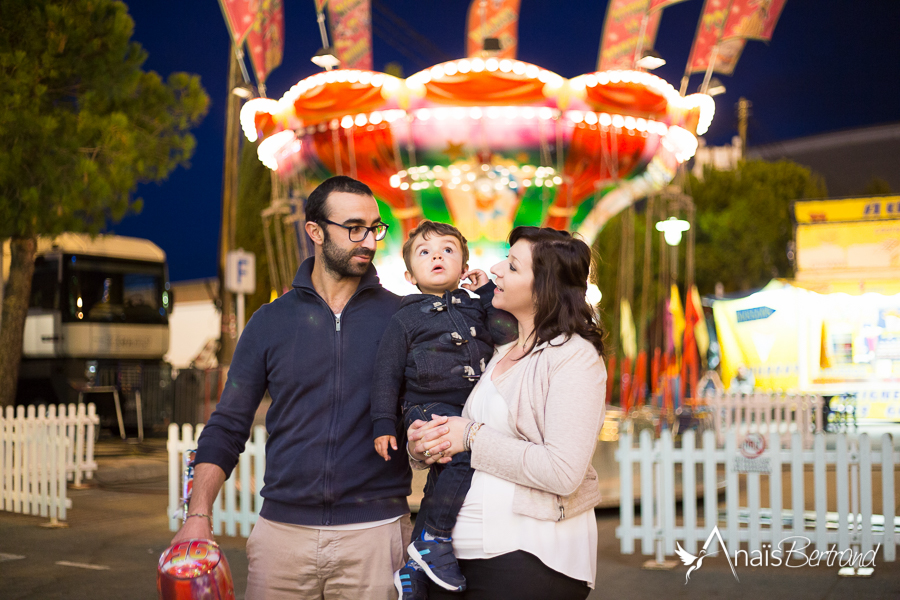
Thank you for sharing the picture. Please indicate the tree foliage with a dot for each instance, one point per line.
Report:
(744, 224)
(81, 125)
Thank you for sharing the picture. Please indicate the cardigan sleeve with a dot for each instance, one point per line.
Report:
(574, 413)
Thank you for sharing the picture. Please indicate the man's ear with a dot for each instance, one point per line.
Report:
(315, 233)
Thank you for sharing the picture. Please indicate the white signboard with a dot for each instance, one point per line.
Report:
(240, 272)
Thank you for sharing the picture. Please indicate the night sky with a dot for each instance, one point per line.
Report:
(831, 65)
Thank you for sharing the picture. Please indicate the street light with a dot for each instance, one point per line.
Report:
(672, 229)
(326, 58)
(243, 91)
(714, 88)
(650, 59)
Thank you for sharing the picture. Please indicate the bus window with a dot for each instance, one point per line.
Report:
(101, 290)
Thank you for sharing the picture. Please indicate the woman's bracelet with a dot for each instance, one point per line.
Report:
(207, 517)
(471, 430)
(408, 453)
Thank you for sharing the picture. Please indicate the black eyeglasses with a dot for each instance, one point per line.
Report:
(358, 233)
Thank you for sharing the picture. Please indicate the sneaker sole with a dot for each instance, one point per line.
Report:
(414, 554)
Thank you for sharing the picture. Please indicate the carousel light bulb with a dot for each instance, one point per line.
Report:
(641, 124)
(590, 118)
(438, 183)
(352, 76)
(466, 187)
(378, 80)
(557, 180)
(575, 116)
(618, 121)
(590, 81)
(360, 120)
(477, 65)
(492, 64)
(505, 65)
(527, 183)
(519, 67)
(395, 181)
(485, 168)
(365, 77)
(528, 113)
(602, 79)
(459, 113)
(347, 122)
(629, 122)
(450, 69)
(546, 113)
(464, 66)
(404, 186)
(471, 176)
(437, 72)
(375, 118)
(615, 77)
(532, 71)
(475, 113)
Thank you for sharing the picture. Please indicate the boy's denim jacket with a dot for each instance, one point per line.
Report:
(434, 350)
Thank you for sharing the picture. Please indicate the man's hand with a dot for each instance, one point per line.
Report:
(195, 528)
(381, 445)
(476, 277)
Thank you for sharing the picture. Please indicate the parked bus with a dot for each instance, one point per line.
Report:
(98, 316)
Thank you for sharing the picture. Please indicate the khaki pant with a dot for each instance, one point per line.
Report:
(300, 563)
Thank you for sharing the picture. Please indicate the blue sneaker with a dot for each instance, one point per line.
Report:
(438, 561)
(411, 584)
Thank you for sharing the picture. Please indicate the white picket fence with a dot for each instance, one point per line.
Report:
(856, 527)
(35, 453)
(766, 412)
(239, 500)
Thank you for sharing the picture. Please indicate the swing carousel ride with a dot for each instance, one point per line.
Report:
(487, 143)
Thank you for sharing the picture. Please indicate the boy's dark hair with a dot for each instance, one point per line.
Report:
(428, 228)
(315, 204)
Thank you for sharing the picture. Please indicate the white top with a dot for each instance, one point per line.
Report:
(487, 526)
(352, 526)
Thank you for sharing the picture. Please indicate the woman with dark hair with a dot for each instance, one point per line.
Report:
(527, 528)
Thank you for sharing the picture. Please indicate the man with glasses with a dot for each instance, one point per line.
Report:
(335, 518)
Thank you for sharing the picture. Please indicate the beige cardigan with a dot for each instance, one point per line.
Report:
(556, 397)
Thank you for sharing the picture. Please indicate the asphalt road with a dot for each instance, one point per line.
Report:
(115, 536)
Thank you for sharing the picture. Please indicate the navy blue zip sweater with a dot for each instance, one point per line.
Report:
(320, 465)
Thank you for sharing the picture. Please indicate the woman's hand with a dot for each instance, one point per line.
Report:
(453, 436)
(424, 436)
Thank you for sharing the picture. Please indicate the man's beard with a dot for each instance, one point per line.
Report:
(340, 262)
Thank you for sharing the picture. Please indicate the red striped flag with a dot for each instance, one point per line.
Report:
(265, 41)
(239, 16)
(708, 39)
(752, 19)
(493, 19)
(621, 30)
(660, 4)
(351, 30)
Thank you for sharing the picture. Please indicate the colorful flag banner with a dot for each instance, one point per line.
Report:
(621, 30)
(265, 41)
(678, 321)
(660, 4)
(351, 30)
(628, 330)
(493, 19)
(752, 19)
(708, 41)
(701, 331)
(239, 16)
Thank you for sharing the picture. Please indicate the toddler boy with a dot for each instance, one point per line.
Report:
(432, 353)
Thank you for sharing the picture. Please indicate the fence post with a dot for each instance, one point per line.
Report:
(626, 494)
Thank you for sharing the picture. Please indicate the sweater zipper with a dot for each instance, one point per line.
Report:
(327, 492)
